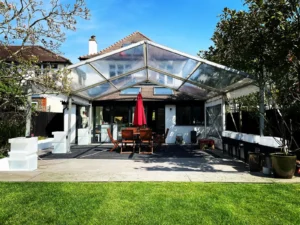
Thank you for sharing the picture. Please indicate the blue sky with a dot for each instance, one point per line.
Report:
(184, 25)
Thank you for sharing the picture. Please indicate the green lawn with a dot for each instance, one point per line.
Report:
(149, 203)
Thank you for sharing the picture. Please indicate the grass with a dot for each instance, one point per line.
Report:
(149, 203)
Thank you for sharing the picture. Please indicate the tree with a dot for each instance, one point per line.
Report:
(29, 23)
(263, 41)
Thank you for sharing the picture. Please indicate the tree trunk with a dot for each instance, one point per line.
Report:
(261, 110)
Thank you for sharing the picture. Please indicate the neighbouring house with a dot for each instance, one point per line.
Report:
(181, 92)
(45, 59)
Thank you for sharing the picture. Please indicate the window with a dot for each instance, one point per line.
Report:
(118, 69)
(35, 105)
(164, 79)
(189, 115)
(131, 91)
(162, 91)
(112, 70)
(169, 80)
(54, 66)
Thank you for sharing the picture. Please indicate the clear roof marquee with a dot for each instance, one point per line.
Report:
(149, 62)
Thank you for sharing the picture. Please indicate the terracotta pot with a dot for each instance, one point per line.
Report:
(283, 166)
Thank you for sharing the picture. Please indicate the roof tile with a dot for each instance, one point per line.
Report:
(132, 38)
(43, 54)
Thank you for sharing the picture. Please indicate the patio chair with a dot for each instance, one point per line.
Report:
(134, 129)
(146, 141)
(127, 138)
(161, 138)
(115, 142)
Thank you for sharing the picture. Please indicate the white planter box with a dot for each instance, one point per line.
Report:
(23, 154)
(226, 133)
(250, 138)
(28, 163)
(83, 140)
(44, 144)
(59, 137)
(59, 148)
(270, 141)
(20, 154)
(83, 132)
(4, 164)
(234, 135)
(24, 144)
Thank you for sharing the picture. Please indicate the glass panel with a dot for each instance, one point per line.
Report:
(195, 90)
(170, 62)
(130, 80)
(214, 121)
(131, 91)
(84, 76)
(215, 77)
(98, 91)
(162, 91)
(97, 121)
(164, 79)
(245, 81)
(121, 62)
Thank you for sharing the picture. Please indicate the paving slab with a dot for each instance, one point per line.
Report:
(205, 168)
(18, 176)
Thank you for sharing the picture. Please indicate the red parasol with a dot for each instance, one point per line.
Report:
(139, 113)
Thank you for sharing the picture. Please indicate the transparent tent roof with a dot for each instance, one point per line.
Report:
(149, 62)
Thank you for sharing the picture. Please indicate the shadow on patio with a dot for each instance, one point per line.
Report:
(165, 158)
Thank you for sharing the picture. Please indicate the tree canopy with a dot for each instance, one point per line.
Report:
(28, 23)
(264, 41)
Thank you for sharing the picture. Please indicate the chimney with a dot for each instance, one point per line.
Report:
(92, 45)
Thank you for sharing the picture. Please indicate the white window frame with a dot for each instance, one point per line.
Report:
(155, 88)
(139, 90)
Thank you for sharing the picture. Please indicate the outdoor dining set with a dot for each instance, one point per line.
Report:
(134, 138)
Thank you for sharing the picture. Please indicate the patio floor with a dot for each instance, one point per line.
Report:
(170, 163)
(102, 152)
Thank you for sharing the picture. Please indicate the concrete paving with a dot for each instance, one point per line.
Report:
(205, 169)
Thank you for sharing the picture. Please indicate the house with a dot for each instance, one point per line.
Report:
(46, 59)
(181, 92)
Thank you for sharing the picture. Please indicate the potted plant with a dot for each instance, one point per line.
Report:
(284, 162)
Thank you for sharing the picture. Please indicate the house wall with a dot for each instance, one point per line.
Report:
(54, 105)
(52, 102)
(170, 122)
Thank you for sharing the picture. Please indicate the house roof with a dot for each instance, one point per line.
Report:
(132, 38)
(43, 54)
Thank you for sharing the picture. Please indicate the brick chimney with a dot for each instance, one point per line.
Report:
(93, 45)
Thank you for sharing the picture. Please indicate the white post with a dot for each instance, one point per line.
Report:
(69, 124)
(28, 110)
(223, 111)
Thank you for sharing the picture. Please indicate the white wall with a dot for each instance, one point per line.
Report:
(170, 122)
(54, 105)
(73, 122)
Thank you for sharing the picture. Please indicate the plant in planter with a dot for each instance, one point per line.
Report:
(284, 162)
